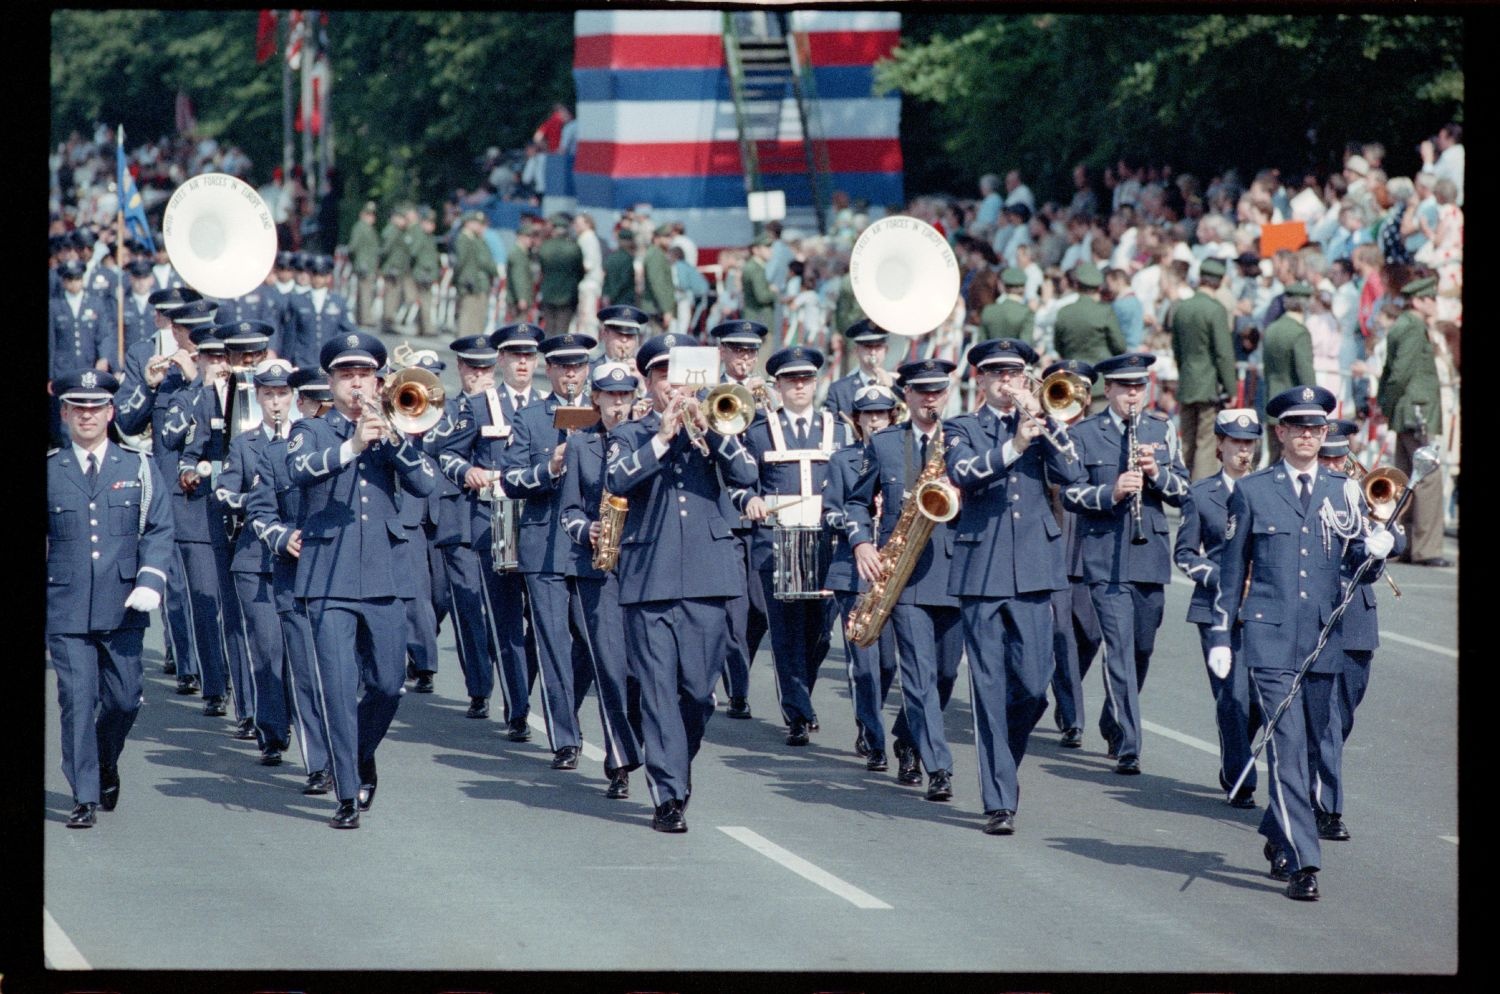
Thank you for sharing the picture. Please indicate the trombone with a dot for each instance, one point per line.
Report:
(729, 408)
(1383, 488)
(1062, 396)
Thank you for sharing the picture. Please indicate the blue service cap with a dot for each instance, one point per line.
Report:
(322, 265)
(301, 260)
(874, 398)
(1132, 367)
(654, 350)
(623, 318)
(474, 350)
(426, 359)
(245, 336)
(206, 337)
(138, 267)
(70, 270)
(286, 260)
(1302, 406)
(795, 360)
(866, 331)
(273, 373)
(568, 350)
(522, 337)
(1336, 444)
(1237, 422)
(193, 314)
(614, 377)
(57, 243)
(750, 333)
(86, 387)
(354, 349)
(1075, 366)
(311, 383)
(1001, 353)
(172, 297)
(925, 375)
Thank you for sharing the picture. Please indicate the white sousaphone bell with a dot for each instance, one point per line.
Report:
(904, 275)
(219, 235)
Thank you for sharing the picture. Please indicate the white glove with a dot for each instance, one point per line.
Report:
(1379, 542)
(143, 599)
(1219, 658)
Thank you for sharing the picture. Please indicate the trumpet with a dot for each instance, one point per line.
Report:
(730, 408)
(1383, 488)
(412, 401)
(1061, 397)
(367, 410)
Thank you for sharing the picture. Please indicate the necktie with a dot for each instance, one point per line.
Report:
(93, 470)
(799, 433)
(922, 451)
(1304, 490)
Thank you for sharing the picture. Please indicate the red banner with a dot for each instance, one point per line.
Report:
(265, 36)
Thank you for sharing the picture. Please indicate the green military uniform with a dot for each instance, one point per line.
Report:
(1286, 356)
(474, 272)
(660, 300)
(364, 256)
(846, 309)
(1087, 329)
(520, 288)
(395, 266)
(425, 270)
(1007, 318)
(759, 303)
(1204, 351)
(619, 278)
(1409, 380)
(561, 262)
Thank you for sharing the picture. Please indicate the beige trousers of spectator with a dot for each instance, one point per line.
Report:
(1424, 525)
(589, 292)
(420, 296)
(364, 299)
(472, 309)
(557, 317)
(394, 299)
(1197, 431)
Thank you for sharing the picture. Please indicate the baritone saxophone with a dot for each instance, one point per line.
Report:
(612, 509)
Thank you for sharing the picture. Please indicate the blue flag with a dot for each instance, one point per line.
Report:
(130, 197)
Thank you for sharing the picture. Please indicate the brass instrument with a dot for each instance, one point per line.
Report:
(729, 408)
(1062, 396)
(933, 499)
(612, 510)
(1137, 529)
(219, 235)
(412, 401)
(1383, 488)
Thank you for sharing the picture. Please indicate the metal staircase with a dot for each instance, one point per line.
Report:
(767, 64)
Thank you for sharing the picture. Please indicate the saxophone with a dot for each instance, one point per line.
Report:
(612, 508)
(933, 499)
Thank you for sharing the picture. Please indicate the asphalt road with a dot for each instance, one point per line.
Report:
(477, 856)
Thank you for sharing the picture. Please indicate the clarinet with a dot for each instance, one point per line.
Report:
(1137, 531)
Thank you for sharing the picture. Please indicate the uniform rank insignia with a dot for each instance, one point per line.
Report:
(614, 451)
(88, 380)
(124, 484)
(1229, 528)
(295, 443)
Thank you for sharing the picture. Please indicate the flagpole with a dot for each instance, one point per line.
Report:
(309, 47)
(119, 266)
(287, 152)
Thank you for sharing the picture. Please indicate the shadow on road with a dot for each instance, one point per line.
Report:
(1188, 864)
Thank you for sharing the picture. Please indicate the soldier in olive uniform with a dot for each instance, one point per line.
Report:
(660, 298)
(1409, 399)
(395, 264)
(520, 286)
(1286, 351)
(759, 299)
(1087, 329)
(619, 272)
(1204, 351)
(425, 268)
(1009, 317)
(364, 256)
(474, 271)
(561, 263)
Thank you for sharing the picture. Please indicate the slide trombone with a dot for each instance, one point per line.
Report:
(1062, 396)
(1383, 488)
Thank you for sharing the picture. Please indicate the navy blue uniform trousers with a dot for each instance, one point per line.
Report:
(1236, 713)
(747, 625)
(98, 697)
(1129, 615)
(800, 633)
(930, 643)
(262, 632)
(1292, 826)
(1075, 642)
(597, 610)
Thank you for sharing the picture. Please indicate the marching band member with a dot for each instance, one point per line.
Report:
(791, 447)
(1292, 527)
(926, 619)
(869, 350)
(533, 469)
(598, 591)
(348, 570)
(106, 570)
(739, 348)
(273, 514)
(677, 572)
(316, 316)
(870, 670)
(1007, 561)
(1200, 544)
(1125, 578)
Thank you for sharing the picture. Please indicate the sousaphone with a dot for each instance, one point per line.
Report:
(219, 235)
(904, 275)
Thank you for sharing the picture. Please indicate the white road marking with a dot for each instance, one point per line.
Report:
(1449, 838)
(58, 948)
(803, 868)
(1189, 740)
(589, 749)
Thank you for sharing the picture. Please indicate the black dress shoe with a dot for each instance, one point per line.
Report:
(1072, 738)
(367, 782)
(565, 758)
(188, 685)
(1128, 765)
(347, 816)
(1303, 886)
(169, 667)
(1281, 864)
(424, 684)
(668, 817)
(909, 771)
(518, 730)
(1331, 828)
(411, 670)
(940, 786)
(109, 787)
(739, 707)
(798, 734)
(479, 707)
(1440, 562)
(213, 706)
(876, 763)
(1001, 823)
(812, 726)
(244, 729)
(82, 816)
(619, 785)
(318, 782)
(860, 748)
(270, 756)
(1244, 799)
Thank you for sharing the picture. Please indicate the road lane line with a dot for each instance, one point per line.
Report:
(58, 948)
(804, 869)
(1393, 636)
(1449, 838)
(589, 749)
(1189, 740)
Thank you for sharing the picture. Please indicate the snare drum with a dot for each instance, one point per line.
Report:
(799, 563)
(505, 534)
